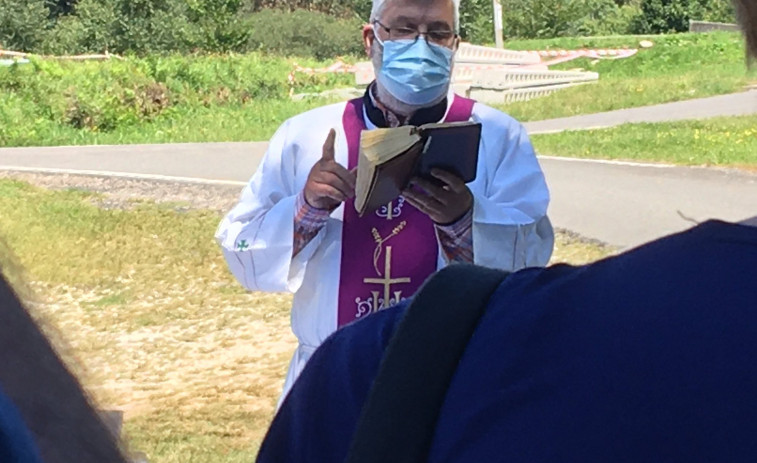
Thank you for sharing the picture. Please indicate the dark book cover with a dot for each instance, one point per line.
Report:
(451, 148)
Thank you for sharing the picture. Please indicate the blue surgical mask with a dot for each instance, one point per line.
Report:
(415, 72)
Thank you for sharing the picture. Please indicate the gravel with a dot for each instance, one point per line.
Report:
(123, 193)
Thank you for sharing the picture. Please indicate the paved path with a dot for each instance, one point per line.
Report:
(627, 204)
(737, 104)
(622, 204)
(619, 203)
(210, 161)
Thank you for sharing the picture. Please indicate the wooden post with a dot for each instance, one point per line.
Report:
(498, 42)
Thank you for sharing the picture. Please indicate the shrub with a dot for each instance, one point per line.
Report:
(477, 21)
(603, 17)
(662, 16)
(217, 25)
(146, 26)
(22, 24)
(355, 9)
(59, 8)
(539, 18)
(304, 33)
(562, 18)
(104, 96)
(92, 30)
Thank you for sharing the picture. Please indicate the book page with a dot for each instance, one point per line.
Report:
(389, 179)
(385, 162)
(380, 145)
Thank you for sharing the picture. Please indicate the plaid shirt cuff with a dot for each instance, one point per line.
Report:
(457, 239)
(308, 221)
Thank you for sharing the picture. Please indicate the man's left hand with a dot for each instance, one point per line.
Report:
(445, 203)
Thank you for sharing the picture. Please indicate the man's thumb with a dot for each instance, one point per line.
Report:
(328, 147)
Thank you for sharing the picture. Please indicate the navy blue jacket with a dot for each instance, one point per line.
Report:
(650, 355)
(16, 445)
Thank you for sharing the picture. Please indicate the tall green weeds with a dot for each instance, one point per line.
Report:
(97, 97)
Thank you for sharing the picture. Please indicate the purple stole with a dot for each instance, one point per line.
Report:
(388, 254)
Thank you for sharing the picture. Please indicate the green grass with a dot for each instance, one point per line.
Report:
(153, 99)
(727, 141)
(677, 67)
(141, 306)
(150, 319)
(254, 121)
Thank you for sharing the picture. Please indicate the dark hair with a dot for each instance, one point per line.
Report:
(55, 408)
(746, 11)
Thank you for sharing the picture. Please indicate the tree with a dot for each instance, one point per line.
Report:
(219, 24)
(61, 7)
(662, 16)
(23, 24)
(477, 21)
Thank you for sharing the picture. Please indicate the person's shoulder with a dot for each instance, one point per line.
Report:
(671, 254)
(16, 441)
(341, 371)
(353, 351)
(374, 334)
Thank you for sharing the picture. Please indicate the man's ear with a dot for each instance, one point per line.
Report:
(456, 44)
(368, 37)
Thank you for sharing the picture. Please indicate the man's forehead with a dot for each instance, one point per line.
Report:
(428, 12)
(431, 23)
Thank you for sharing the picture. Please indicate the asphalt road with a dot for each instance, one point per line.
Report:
(736, 104)
(628, 204)
(622, 204)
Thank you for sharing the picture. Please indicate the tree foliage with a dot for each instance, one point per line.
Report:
(661, 16)
(321, 28)
(22, 23)
(61, 7)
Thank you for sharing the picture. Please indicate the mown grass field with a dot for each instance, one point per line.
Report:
(246, 97)
(725, 141)
(140, 303)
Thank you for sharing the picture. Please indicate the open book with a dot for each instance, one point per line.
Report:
(390, 158)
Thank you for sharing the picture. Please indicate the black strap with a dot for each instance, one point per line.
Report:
(398, 420)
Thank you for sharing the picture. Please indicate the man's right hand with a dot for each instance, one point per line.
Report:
(329, 183)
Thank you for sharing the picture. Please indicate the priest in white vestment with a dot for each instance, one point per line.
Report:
(295, 228)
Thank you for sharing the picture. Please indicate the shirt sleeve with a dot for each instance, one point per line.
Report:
(308, 221)
(456, 239)
(511, 229)
(257, 236)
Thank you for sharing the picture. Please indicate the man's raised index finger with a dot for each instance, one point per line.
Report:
(328, 146)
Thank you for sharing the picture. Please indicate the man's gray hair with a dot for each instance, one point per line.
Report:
(378, 7)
